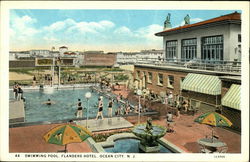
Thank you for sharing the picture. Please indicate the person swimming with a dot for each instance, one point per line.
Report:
(49, 102)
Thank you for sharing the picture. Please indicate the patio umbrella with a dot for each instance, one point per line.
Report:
(213, 119)
(66, 134)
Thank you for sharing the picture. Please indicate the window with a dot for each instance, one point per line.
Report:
(160, 79)
(150, 77)
(188, 49)
(171, 49)
(137, 74)
(239, 37)
(171, 81)
(212, 48)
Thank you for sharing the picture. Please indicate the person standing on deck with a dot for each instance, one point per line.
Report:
(79, 112)
(34, 81)
(110, 105)
(100, 108)
(170, 98)
(15, 90)
(20, 93)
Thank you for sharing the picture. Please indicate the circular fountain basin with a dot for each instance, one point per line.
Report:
(148, 137)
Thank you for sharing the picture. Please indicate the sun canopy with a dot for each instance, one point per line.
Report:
(232, 97)
(207, 84)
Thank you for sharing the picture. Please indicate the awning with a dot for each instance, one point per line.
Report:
(232, 97)
(207, 84)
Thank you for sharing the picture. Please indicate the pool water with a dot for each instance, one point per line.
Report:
(65, 104)
(130, 146)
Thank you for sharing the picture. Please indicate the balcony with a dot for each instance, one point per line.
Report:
(210, 65)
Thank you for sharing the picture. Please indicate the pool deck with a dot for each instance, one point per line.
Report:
(30, 139)
(105, 124)
(16, 111)
(185, 135)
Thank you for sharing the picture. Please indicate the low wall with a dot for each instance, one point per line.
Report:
(21, 63)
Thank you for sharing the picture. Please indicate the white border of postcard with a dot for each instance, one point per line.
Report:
(160, 5)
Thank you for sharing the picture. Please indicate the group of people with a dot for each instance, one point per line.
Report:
(100, 106)
(18, 92)
(123, 109)
(48, 79)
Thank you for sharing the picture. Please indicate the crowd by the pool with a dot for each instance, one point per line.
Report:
(125, 106)
(17, 92)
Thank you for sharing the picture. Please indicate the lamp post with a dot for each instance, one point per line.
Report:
(87, 95)
(139, 93)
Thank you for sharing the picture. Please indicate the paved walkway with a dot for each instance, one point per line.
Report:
(187, 132)
(105, 124)
(30, 139)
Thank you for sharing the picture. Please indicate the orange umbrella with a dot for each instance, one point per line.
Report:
(66, 134)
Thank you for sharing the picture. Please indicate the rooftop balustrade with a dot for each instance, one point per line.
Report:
(212, 65)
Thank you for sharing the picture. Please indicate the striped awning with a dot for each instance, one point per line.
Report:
(207, 84)
(232, 97)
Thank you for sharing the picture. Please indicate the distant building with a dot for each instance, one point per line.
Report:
(39, 53)
(62, 50)
(12, 55)
(23, 56)
(93, 52)
(92, 59)
(135, 57)
(150, 55)
(126, 57)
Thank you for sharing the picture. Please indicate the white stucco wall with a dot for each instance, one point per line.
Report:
(235, 30)
(229, 32)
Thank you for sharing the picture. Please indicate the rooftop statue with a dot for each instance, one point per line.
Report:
(167, 23)
(187, 19)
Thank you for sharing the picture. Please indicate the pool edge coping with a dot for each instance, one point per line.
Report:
(99, 147)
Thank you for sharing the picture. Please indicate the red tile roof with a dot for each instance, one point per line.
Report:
(232, 16)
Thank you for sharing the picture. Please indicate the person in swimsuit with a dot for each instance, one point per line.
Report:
(15, 91)
(19, 92)
(110, 105)
(100, 108)
(49, 102)
(79, 109)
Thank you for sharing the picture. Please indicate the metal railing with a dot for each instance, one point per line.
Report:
(213, 65)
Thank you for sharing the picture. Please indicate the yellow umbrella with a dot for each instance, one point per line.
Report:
(213, 119)
(67, 133)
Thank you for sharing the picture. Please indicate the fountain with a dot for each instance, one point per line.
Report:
(148, 134)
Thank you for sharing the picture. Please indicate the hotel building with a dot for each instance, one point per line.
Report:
(201, 63)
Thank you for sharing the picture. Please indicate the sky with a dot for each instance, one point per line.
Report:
(106, 30)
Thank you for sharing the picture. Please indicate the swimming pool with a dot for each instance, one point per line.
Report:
(65, 104)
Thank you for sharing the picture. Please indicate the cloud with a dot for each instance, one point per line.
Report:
(23, 26)
(22, 31)
(50, 39)
(149, 31)
(60, 25)
(123, 31)
(101, 34)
